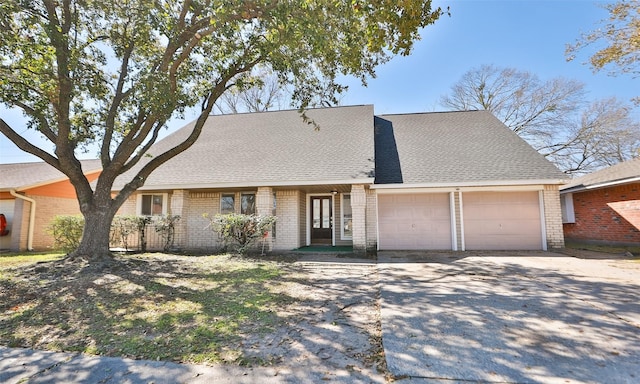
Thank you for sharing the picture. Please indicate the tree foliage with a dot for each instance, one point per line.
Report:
(553, 116)
(617, 41)
(111, 73)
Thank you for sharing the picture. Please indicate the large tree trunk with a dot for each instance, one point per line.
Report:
(94, 246)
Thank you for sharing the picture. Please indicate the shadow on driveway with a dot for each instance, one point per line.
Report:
(538, 317)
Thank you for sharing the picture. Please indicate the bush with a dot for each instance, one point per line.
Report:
(166, 227)
(66, 231)
(124, 226)
(240, 231)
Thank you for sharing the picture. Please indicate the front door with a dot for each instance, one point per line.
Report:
(321, 220)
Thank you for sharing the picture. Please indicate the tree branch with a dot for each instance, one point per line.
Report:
(26, 146)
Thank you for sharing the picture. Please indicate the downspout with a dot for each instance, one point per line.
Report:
(32, 217)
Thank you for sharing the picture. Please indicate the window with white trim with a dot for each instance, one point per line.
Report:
(152, 204)
(566, 204)
(346, 229)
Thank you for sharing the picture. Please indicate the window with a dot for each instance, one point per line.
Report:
(152, 205)
(347, 222)
(248, 203)
(227, 204)
(566, 204)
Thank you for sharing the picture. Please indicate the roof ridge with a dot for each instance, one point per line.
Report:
(293, 110)
(429, 113)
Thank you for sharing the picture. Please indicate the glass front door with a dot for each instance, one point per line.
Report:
(321, 220)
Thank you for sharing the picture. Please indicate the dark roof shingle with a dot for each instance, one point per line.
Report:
(269, 148)
(24, 175)
(453, 148)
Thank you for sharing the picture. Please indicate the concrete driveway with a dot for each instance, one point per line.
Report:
(526, 317)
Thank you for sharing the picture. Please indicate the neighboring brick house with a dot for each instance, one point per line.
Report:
(604, 207)
(31, 195)
(451, 180)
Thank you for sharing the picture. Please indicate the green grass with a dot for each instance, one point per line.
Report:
(13, 260)
(153, 306)
(605, 248)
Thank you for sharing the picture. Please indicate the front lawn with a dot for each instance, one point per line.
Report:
(10, 260)
(151, 306)
(634, 250)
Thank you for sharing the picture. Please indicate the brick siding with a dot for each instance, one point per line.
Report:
(553, 216)
(372, 219)
(46, 209)
(289, 220)
(607, 215)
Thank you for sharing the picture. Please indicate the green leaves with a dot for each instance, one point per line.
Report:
(113, 72)
(142, 60)
(620, 34)
(239, 230)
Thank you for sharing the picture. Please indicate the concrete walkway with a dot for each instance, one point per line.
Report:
(28, 366)
(524, 318)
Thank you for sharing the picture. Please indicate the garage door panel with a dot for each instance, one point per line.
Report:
(502, 220)
(499, 212)
(414, 221)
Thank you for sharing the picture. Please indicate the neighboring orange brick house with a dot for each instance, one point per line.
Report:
(604, 207)
(31, 195)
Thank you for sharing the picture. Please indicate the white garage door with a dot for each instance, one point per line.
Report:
(414, 221)
(502, 220)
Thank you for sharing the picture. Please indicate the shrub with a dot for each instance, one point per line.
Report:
(124, 226)
(66, 231)
(166, 227)
(240, 231)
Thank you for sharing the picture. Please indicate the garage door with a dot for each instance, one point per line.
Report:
(414, 221)
(502, 220)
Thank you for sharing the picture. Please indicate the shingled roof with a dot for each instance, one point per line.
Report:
(456, 149)
(20, 176)
(270, 149)
(625, 172)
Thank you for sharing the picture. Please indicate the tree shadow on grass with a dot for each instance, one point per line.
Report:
(170, 309)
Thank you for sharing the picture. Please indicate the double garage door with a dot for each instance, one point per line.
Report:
(490, 221)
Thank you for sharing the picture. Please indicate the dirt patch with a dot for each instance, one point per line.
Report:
(336, 323)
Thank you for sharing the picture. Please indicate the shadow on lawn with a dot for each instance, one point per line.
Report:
(478, 320)
(183, 309)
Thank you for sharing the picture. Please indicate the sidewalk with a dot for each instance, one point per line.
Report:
(29, 366)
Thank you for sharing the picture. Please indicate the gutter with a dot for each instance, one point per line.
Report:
(582, 187)
(479, 183)
(32, 217)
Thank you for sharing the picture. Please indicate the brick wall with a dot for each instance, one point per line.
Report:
(289, 220)
(46, 209)
(303, 211)
(607, 215)
(201, 237)
(458, 220)
(553, 216)
(372, 219)
(129, 206)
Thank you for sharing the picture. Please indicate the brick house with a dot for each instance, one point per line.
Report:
(450, 181)
(31, 195)
(604, 206)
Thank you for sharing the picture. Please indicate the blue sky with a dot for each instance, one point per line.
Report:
(524, 34)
